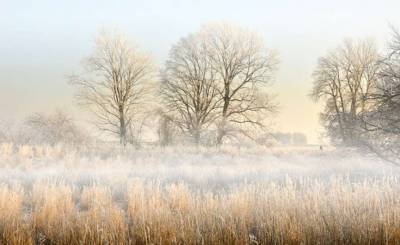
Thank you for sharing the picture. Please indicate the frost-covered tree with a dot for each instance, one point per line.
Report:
(189, 87)
(343, 79)
(219, 75)
(382, 122)
(243, 66)
(114, 84)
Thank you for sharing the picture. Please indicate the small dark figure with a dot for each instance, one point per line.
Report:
(321, 148)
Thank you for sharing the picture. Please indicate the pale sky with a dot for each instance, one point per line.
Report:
(43, 41)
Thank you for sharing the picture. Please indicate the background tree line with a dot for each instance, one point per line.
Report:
(213, 86)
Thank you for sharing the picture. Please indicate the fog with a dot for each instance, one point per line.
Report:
(44, 42)
(204, 168)
(200, 122)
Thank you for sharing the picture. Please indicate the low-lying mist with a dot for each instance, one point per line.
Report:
(205, 168)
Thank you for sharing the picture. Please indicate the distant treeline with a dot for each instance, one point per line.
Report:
(214, 88)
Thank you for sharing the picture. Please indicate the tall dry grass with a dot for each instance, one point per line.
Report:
(196, 196)
(334, 212)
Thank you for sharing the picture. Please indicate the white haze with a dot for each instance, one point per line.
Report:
(43, 41)
(201, 168)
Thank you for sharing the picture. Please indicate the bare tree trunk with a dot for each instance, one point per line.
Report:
(196, 137)
(222, 125)
(221, 131)
(340, 119)
(122, 127)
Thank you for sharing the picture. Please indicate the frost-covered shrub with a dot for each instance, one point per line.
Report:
(52, 129)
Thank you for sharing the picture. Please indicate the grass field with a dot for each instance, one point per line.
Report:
(183, 195)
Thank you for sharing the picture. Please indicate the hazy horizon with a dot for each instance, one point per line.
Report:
(42, 43)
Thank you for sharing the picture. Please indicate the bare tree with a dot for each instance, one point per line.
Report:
(188, 88)
(344, 78)
(114, 83)
(382, 122)
(243, 67)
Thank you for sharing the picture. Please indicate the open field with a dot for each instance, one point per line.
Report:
(230, 195)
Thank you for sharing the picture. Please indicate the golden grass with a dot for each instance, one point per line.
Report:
(139, 198)
(334, 212)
